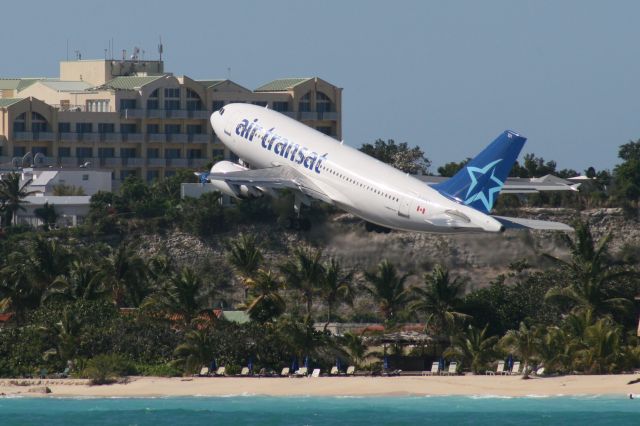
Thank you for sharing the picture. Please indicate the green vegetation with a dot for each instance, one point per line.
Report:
(105, 299)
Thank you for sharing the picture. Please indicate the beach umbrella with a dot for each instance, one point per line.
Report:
(441, 364)
(386, 362)
(306, 361)
(510, 362)
(213, 367)
(294, 364)
(338, 366)
(250, 365)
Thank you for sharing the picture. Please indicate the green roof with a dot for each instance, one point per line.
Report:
(5, 102)
(19, 83)
(130, 83)
(281, 85)
(209, 83)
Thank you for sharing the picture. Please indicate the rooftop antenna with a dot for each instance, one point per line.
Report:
(67, 49)
(160, 48)
(105, 53)
(124, 54)
(78, 55)
(228, 73)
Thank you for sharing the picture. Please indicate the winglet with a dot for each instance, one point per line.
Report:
(202, 177)
(479, 182)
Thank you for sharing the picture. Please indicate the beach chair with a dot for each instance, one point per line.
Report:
(515, 370)
(244, 371)
(334, 371)
(221, 371)
(540, 371)
(351, 370)
(499, 370)
(301, 372)
(453, 369)
(204, 371)
(316, 372)
(284, 372)
(435, 370)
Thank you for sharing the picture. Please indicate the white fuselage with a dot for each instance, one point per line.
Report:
(356, 182)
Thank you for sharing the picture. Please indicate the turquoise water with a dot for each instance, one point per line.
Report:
(256, 410)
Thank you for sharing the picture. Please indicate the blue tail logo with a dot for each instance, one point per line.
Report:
(478, 184)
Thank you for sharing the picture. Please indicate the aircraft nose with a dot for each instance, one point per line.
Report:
(216, 121)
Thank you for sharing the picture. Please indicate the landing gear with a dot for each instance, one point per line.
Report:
(372, 227)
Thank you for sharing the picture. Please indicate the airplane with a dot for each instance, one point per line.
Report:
(284, 153)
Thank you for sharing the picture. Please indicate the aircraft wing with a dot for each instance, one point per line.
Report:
(277, 177)
(520, 223)
(520, 185)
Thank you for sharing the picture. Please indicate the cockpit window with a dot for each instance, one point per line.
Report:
(221, 111)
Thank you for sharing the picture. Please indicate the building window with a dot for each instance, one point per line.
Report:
(260, 103)
(85, 177)
(194, 103)
(128, 152)
(124, 174)
(84, 127)
(106, 152)
(152, 175)
(153, 153)
(172, 153)
(324, 129)
(84, 152)
(281, 106)
(127, 104)
(216, 105)
(171, 98)
(106, 128)
(194, 129)
(152, 101)
(171, 129)
(194, 153)
(39, 150)
(305, 103)
(323, 103)
(20, 123)
(217, 154)
(64, 152)
(19, 151)
(38, 123)
(98, 105)
(128, 128)
(64, 127)
(153, 128)
(169, 173)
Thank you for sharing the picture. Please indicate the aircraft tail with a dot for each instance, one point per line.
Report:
(479, 182)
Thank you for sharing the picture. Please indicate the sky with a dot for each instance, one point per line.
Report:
(448, 76)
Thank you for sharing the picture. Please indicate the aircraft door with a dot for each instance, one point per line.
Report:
(403, 206)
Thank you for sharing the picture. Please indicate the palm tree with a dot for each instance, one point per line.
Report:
(553, 348)
(267, 303)
(47, 214)
(81, 282)
(522, 342)
(246, 257)
(305, 273)
(183, 295)
(388, 289)
(127, 275)
(336, 287)
(48, 260)
(197, 350)
(602, 348)
(474, 347)
(355, 347)
(589, 272)
(18, 293)
(12, 195)
(440, 300)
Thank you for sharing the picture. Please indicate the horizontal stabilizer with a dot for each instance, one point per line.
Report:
(520, 223)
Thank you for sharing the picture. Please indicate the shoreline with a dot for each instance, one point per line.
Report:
(479, 386)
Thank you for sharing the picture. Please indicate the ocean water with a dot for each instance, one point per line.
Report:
(259, 410)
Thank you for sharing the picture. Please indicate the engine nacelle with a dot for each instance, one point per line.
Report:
(235, 191)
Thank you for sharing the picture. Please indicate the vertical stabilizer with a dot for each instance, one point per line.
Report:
(479, 182)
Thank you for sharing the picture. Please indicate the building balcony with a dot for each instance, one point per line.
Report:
(177, 137)
(308, 115)
(88, 137)
(110, 161)
(110, 137)
(44, 136)
(176, 113)
(290, 114)
(22, 136)
(155, 113)
(68, 161)
(199, 138)
(68, 137)
(156, 162)
(132, 137)
(199, 114)
(177, 162)
(198, 162)
(157, 137)
(328, 115)
(132, 113)
(133, 162)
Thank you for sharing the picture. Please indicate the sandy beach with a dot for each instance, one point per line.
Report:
(338, 386)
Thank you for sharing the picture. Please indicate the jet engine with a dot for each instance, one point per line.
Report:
(235, 191)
